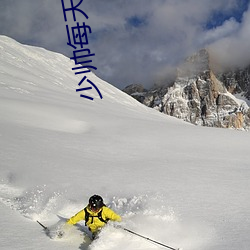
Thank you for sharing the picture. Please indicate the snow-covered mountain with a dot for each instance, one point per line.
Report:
(201, 95)
(182, 185)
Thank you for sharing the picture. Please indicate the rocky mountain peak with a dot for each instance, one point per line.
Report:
(196, 64)
(202, 97)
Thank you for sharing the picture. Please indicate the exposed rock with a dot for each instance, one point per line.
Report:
(137, 91)
(133, 88)
(237, 81)
(201, 97)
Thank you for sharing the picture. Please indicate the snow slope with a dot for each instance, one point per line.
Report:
(176, 183)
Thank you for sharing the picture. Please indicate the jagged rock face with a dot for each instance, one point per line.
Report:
(237, 81)
(199, 97)
(137, 91)
(134, 88)
(205, 102)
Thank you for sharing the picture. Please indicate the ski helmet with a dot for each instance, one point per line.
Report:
(95, 202)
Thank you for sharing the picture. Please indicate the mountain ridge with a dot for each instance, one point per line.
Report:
(200, 95)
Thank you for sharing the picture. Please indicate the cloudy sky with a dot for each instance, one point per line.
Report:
(135, 41)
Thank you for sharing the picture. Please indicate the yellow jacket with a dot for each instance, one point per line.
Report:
(94, 223)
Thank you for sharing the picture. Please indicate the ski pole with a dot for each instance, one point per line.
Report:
(146, 238)
(45, 228)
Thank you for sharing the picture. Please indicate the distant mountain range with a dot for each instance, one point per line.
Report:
(202, 94)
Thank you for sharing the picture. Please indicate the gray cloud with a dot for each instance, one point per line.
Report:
(135, 41)
(233, 49)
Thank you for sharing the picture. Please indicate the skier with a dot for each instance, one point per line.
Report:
(95, 214)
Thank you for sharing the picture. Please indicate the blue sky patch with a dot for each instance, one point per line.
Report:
(136, 21)
(219, 17)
